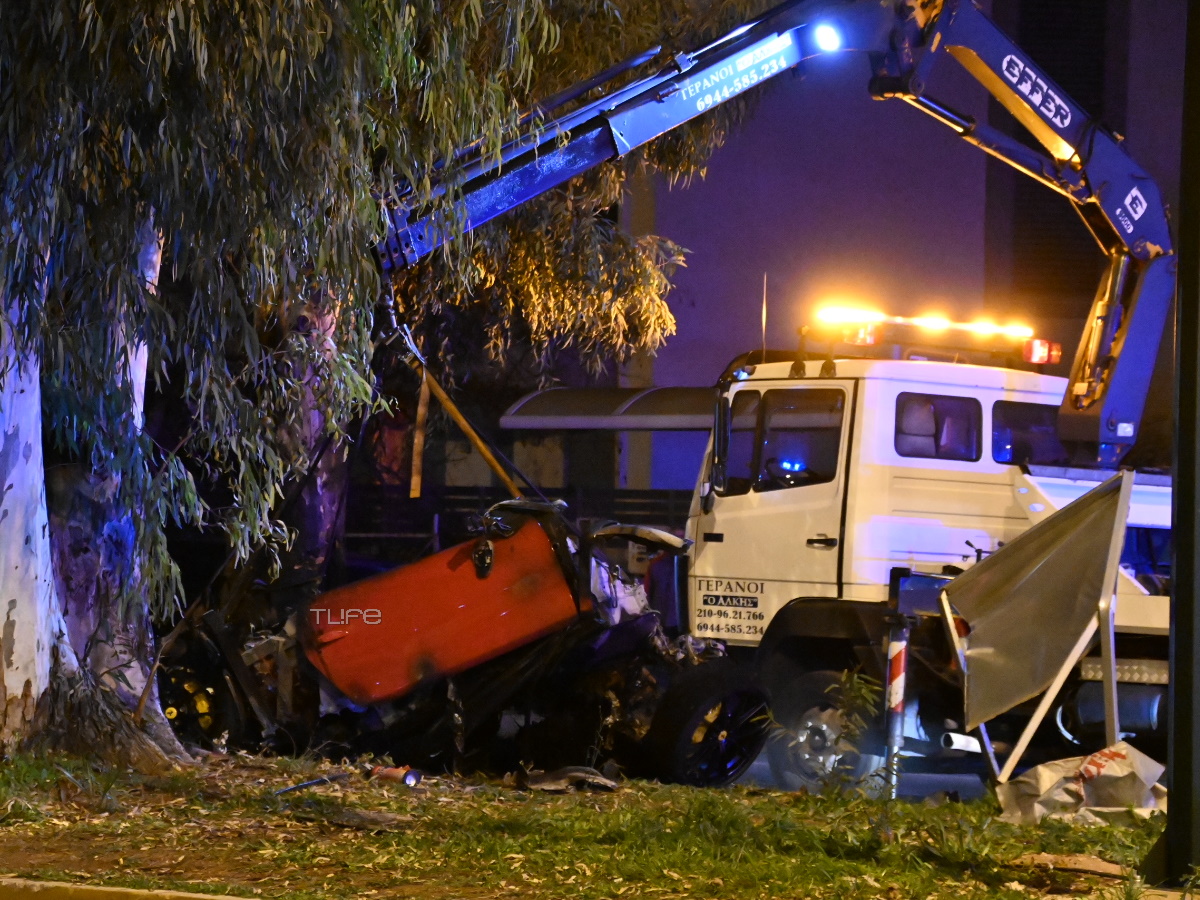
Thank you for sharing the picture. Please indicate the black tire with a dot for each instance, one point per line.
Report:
(807, 747)
(709, 727)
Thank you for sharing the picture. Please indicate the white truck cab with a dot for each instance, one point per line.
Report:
(830, 483)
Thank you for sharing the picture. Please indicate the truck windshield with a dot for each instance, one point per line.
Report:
(1026, 433)
(783, 438)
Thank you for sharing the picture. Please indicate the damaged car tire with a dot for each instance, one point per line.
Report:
(810, 748)
(709, 727)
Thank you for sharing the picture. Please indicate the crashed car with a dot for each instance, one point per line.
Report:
(525, 646)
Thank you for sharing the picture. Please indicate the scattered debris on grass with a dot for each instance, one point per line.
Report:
(569, 778)
(221, 827)
(1088, 865)
(1118, 784)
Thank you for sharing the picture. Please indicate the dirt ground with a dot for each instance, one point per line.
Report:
(212, 828)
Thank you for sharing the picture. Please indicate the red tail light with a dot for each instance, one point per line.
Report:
(1040, 352)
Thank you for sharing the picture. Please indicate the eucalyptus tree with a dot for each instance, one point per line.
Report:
(243, 144)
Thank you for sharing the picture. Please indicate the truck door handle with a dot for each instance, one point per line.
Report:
(822, 542)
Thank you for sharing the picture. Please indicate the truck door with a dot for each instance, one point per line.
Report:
(774, 529)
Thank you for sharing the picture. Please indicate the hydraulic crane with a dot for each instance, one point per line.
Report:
(903, 43)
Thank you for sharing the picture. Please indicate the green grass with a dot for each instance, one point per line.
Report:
(220, 827)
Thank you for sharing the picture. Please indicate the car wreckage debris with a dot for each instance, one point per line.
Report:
(405, 775)
(564, 780)
(315, 782)
(551, 657)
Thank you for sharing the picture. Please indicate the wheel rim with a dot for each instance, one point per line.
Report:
(725, 740)
(815, 748)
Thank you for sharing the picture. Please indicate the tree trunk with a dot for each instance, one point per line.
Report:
(252, 596)
(315, 504)
(105, 659)
(30, 622)
(74, 657)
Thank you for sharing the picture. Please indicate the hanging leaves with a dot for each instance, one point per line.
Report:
(259, 134)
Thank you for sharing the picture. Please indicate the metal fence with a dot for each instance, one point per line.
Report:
(384, 524)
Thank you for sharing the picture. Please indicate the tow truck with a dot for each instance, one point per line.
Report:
(823, 478)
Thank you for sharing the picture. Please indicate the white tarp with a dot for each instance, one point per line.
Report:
(1028, 603)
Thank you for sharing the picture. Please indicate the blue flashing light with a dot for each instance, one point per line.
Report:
(827, 38)
(789, 465)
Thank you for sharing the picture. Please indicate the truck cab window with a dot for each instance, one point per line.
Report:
(800, 436)
(934, 426)
(1024, 433)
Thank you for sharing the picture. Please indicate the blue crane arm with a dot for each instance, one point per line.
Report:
(903, 42)
(623, 119)
(1120, 203)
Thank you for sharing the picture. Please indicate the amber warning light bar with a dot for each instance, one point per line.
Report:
(865, 327)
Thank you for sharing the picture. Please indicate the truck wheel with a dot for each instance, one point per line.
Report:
(808, 748)
(709, 727)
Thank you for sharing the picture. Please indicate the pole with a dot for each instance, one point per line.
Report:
(897, 675)
(1181, 840)
(764, 320)
(417, 470)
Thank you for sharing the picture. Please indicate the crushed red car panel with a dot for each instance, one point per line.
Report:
(378, 638)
